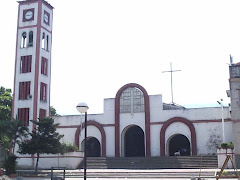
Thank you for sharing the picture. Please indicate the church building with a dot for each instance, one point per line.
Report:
(133, 123)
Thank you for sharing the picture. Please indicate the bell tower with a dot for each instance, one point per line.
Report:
(31, 94)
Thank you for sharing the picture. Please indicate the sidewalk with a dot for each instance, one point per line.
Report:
(121, 174)
(119, 179)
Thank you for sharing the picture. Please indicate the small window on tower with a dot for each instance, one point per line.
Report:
(30, 42)
(24, 40)
(25, 64)
(43, 41)
(23, 115)
(47, 43)
(24, 90)
(42, 113)
(43, 92)
(44, 66)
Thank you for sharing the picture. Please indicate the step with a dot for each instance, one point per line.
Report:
(152, 162)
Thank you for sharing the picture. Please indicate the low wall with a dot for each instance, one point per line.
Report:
(222, 155)
(46, 161)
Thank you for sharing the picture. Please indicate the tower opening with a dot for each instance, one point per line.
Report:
(43, 41)
(134, 145)
(30, 41)
(24, 40)
(47, 44)
(93, 148)
(179, 143)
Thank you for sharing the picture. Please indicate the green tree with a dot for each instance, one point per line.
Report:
(11, 132)
(44, 140)
(53, 111)
(5, 103)
(4, 140)
(5, 117)
(16, 132)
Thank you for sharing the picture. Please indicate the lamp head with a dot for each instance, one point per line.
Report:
(82, 107)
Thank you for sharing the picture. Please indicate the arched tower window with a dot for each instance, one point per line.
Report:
(30, 41)
(24, 40)
(47, 43)
(43, 41)
(132, 101)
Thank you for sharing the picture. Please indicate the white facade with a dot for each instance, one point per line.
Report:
(206, 123)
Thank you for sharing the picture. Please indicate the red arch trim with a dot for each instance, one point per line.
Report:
(100, 128)
(117, 117)
(182, 120)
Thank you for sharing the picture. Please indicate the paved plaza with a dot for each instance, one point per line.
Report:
(122, 174)
(117, 178)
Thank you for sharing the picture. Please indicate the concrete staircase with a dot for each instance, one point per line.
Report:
(164, 162)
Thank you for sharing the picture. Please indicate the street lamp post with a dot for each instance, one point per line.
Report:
(223, 128)
(82, 108)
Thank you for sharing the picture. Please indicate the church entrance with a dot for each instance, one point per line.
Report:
(93, 147)
(134, 145)
(179, 145)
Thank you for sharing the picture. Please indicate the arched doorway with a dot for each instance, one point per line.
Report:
(134, 145)
(179, 143)
(93, 147)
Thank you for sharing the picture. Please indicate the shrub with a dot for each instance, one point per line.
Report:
(227, 145)
(10, 164)
(68, 147)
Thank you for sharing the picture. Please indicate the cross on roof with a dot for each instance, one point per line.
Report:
(171, 71)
